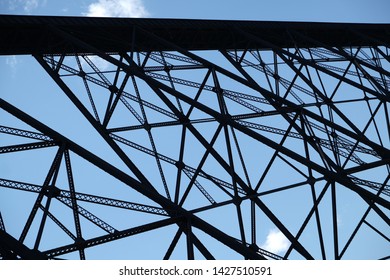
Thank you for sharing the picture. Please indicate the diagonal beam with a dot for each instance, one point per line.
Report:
(74, 205)
(2, 225)
(86, 197)
(23, 133)
(26, 147)
(16, 249)
(108, 237)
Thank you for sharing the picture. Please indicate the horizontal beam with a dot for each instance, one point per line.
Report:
(35, 34)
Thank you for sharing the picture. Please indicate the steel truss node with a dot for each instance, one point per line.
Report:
(215, 148)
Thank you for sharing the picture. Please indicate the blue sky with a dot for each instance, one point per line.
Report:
(50, 106)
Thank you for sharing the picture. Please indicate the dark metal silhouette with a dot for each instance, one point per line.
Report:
(221, 131)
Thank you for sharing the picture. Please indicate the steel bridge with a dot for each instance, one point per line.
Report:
(221, 133)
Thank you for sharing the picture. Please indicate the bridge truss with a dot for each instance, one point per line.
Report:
(222, 133)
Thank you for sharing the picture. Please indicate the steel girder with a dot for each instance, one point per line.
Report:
(219, 150)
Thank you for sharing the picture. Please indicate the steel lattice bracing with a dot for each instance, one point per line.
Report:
(217, 141)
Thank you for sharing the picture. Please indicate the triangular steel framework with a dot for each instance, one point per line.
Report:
(224, 131)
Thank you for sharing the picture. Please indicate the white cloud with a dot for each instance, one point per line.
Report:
(117, 8)
(276, 242)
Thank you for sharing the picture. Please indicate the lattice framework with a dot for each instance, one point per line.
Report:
(261, 138)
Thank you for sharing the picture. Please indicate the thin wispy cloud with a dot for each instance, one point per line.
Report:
(28, 6)
(276, 242)
(339, 220)
(117, 8)
(12, 63)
